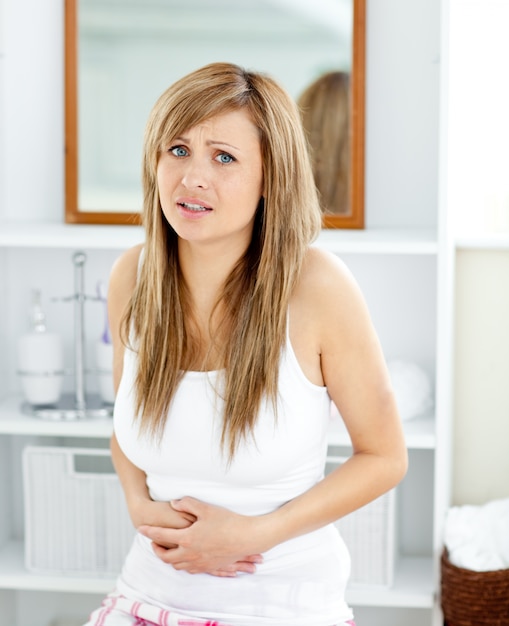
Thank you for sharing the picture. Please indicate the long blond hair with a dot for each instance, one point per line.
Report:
(256, 295)
(325, 109)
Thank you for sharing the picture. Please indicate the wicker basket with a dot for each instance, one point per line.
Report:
(370, 536)
(471, 598)
(76, 519)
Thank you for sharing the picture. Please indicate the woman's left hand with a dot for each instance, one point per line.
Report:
(219, 542)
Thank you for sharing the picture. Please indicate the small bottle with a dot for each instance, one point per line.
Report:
(104, 363)
(104, 354)
(40, 359)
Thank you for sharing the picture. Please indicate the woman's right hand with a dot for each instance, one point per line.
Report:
(144, 511)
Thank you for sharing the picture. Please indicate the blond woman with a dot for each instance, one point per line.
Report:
(231, 336)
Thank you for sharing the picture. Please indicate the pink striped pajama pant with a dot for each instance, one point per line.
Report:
(116, 610)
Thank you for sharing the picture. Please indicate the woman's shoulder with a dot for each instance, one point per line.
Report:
(123, 276)
(326, 305)
(324, 274)
(125, 267)
(327, 291)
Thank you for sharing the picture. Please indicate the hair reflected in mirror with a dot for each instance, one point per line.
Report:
(325, 111)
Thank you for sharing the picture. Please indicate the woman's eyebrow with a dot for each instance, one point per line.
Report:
(210, 142)
(221, 143)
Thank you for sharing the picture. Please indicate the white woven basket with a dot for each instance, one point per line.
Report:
(370, 535)
(76, 520)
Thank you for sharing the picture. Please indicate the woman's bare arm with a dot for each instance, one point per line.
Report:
(142, 509)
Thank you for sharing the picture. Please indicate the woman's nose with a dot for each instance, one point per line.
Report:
(195, 174)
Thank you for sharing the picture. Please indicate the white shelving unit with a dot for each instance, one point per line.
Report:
(405, 268)
(398, 271)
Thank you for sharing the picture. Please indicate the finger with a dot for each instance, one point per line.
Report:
(232, 570)
(173, 546)
(165, 554)
(188, 505)
(245, 567)
(162, 536)
(222, 574)
(188, 516)
(253, 558)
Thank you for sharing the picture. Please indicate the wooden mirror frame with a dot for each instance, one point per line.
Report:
(355, 219)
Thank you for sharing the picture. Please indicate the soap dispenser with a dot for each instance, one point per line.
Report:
(40, 359)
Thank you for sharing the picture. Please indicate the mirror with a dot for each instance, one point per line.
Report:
(121, 56)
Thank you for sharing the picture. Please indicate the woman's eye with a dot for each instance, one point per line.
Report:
(225, 158)
(179, 151)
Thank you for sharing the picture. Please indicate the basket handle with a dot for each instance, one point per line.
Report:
(96, 463)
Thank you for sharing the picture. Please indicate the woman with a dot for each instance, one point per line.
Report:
(231, 335)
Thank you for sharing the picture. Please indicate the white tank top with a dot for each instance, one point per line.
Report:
(301, 581)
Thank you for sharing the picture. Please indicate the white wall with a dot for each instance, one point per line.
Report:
(479, 125)
(403, 49)
(32, 102)
(2, 106)
(479, 203)
(481, 433)
(3, 285)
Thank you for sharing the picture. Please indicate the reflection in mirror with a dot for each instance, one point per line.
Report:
(120, 56)
(325, 110)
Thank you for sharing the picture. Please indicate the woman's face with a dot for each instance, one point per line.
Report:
(210, 180)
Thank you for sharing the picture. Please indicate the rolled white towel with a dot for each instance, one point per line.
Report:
(412, 388)
(477, 537)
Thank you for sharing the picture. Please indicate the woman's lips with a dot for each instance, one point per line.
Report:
(193, 207)
(193, 204)
(190, 206)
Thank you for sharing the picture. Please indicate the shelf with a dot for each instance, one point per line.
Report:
(419, 433)
(56, 235)
(345, 241)
(14, 422)
(488, 242)
(412, 587)
(379, 241)
(14, 575)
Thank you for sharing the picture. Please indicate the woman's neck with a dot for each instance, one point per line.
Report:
(205, 269)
